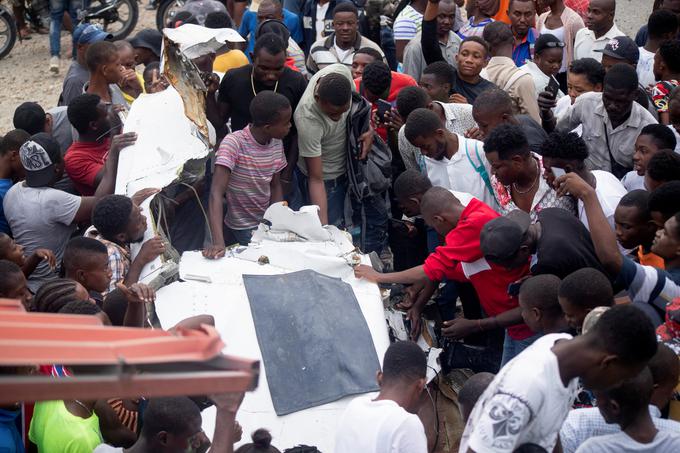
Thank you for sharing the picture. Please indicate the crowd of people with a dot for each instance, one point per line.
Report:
(514, 164)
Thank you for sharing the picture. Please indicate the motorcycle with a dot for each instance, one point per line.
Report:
(166, 11)
(118, 17)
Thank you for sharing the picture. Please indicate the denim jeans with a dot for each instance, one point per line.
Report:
(512, 348)
(336, 190)
(57, 10)
(370, 217)
(243, 237)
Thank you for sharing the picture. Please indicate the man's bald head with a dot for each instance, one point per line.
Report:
(600, 18)
(606, 5)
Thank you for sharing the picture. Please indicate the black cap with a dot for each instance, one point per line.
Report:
(148, 39)
(621, 48)
(547, 41)
(38, 157)
(502, 237)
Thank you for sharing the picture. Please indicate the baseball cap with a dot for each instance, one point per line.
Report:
(38, 157)
(547, 41)
(89, 34)
(621, 48)
(502, 237)
(148, 39)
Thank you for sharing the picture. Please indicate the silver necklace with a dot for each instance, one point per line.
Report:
(538, 174)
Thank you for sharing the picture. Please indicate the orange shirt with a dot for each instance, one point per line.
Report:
(650, 259)
(502, 13)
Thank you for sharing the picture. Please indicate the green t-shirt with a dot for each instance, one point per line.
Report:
(318, 135)
(55, 430)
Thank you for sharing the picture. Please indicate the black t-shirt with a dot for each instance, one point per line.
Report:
(470, 90)
(237, 91)
(564, 246)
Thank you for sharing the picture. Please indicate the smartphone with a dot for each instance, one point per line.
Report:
(383, 107)
(558, 171)
(553, 87)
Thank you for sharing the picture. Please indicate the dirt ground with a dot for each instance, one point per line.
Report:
(25, 75)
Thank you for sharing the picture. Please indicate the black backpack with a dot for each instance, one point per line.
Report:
(372, 176)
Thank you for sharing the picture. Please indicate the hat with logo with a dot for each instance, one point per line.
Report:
(89, 34)
(148, 38)
(38, 157)
(622, 48)
(502, 237)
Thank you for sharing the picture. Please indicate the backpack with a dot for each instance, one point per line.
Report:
(372, 176)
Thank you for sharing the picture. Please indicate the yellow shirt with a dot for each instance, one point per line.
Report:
(129, 98)
(230, 60)
(55, 430)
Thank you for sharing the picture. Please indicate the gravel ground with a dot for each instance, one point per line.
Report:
(25, 75)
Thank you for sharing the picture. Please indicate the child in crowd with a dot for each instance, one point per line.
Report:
(86, 261)
(262, 443)
(13, 283)
(531, 396)
(540, 306)
(663, 167)
(652, 139)
(247, 166)
(635, 229)
(58, 292)
(471, 391)
(11, 251)
(667, 74)
(627, 406)
(582, 291)
(664, 202)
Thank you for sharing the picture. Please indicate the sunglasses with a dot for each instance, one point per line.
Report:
(554, 44)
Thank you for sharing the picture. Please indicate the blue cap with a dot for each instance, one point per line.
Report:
(89, 34)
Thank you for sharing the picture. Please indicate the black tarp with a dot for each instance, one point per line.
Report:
(315, 343)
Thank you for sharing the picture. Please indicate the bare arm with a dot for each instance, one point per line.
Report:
(428, 37)
(275, 189)
(604, 239)
(317, 189)
(408, 276)
(218, 188)
(227, 405)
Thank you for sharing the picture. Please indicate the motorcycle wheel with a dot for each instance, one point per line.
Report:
(166, 11)
(8, 33)
(119, 22)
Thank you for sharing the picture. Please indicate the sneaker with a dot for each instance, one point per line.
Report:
(54, 64)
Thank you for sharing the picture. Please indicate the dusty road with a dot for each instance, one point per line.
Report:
(25, 75)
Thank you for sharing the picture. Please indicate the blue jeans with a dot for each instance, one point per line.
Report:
(336, 190)
(370, 218)
(512, 348)
(243, 237)
(57, 10)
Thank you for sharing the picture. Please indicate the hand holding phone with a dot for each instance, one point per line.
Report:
(558, 171)
(553, 87)
(383, 107)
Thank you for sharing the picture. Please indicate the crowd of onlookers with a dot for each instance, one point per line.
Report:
(513, 164)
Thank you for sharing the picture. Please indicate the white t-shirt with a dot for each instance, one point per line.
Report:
(525, 403)
(379, 427)
(645, 67)
(103, 448)
(321, 11)
(458, 173)
(41, 218)
(344, 55)
(609, 191)
(633, 181)
(664, 442)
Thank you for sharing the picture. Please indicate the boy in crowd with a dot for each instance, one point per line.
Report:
(247, 167)
(32, 118)
(531, 396)
(390, 418)
(11, 251)
(557, 243)
(664, 202)
(454, 162)
(461, 259)
(583, 424)
(471, 391)
(503, 72)
(11, 169)
(106, 72)
(649, 288)
(569, 152)
(13, 283)
(43, 217)
(652, 139)
(635, 229)
(662, 168)
(86, 261)
(662, 25)
(119, 222)
(627, 406)
(84, 161)
(437, 80)
(467, 82)
(541, 310)
(667, 74)
(581, 292)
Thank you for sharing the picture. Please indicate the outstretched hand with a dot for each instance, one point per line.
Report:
(366, 272)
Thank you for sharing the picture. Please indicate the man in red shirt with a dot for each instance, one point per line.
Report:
(85, 158)
(376, 83)
(461, 259)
